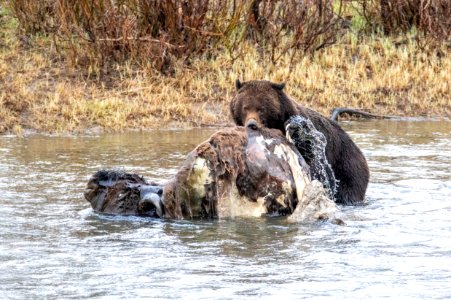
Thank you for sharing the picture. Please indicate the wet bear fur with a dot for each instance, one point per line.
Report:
(265, 103)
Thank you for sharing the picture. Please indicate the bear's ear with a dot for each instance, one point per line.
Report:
(238, 84)
(278, 86)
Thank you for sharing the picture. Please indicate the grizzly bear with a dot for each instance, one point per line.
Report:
(264, 104)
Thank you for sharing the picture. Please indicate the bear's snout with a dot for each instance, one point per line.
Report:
(252, 124)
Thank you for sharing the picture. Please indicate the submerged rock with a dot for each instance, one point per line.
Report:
(236, 172)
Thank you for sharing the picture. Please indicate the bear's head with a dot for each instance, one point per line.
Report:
(261, 104)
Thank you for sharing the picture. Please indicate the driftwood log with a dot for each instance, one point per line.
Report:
(337, 112)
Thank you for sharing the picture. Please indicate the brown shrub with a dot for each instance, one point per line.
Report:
(435, 18)
(431, 18)
(305, 26)
(35, 16)
(157, 32)
(149, 32)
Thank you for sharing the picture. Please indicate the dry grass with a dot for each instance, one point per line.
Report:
(41, 91)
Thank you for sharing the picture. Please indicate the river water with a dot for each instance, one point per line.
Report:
(52, 246)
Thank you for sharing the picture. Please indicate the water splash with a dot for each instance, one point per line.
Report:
(312, 145)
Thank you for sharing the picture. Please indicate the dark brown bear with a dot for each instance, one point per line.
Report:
(264, 104)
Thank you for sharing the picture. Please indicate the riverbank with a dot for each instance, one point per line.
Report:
(43, 92)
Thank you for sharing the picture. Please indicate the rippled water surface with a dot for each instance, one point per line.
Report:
(53, 246)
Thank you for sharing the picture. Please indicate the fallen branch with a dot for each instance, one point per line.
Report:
(142, 39)
(353, 111)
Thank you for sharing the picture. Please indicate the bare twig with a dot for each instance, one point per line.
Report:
(141, 39)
